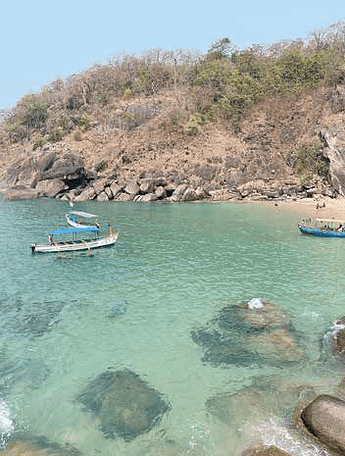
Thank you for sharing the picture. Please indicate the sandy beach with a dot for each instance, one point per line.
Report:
(328, 208)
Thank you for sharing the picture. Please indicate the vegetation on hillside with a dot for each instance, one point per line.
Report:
(219, 85)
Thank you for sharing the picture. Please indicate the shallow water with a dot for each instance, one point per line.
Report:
(134, 306)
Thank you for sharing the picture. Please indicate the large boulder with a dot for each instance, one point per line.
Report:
(20, 192)
(23, 171)
(147, 185)
(324, 417)
(179, 192)
(87, 194)
(50, 187)
(67, 167)
(132, 188)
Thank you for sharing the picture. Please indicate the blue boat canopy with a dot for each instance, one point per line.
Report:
(92, 229)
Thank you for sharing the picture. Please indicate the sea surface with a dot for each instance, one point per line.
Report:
(66, 319)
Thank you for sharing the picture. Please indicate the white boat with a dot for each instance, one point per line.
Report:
(73, 219)
(76, 244)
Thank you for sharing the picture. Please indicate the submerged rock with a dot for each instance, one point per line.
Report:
(266, 396)
(38, 318)
(254, 332)
(125, 404)
(325, 419)
(271, 450)
(24, 445)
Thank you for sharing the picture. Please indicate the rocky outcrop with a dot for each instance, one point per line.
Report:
(49, 174)
(334, 139)
(324, 418)
(125, 404)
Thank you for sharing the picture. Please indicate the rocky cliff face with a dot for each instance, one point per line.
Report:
(273, 156)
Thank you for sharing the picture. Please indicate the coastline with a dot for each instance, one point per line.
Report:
(332, 208)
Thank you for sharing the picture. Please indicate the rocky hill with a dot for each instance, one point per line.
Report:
(216, 127)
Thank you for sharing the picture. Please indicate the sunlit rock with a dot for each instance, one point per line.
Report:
(324, 417)
(125, 404)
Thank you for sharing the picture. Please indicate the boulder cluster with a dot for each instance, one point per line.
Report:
(63, 175)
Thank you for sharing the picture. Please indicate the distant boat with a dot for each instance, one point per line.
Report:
(76, 243)
(323, 227)
(73, 219)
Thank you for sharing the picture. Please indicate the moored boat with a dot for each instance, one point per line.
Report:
(76, 243)
(77, 219)
(322, 227)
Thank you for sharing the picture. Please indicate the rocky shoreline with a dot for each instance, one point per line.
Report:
(64, 176)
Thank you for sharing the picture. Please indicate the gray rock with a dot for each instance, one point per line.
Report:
(20, 192)
(67, 167)
(124, 197)
(189, 195)
(50, 187)
(102, 197)
(132, 188)
(86, 195)
(126, 405)
(115, 189)
(147, 185)
(179, 192)
(99, 185)
(324, 417)
(160, 192)
(24, 171)
(148, 197)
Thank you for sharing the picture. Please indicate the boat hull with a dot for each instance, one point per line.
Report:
(75, 246)
(320, 233)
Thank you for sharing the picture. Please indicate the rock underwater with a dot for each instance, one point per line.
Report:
(126, 405)
(254, 332)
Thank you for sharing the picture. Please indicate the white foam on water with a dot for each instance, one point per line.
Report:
(275, 433)
(255, 303)
(6, 423)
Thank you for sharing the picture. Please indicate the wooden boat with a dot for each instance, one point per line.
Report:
(77, 219)
(76, 244)
(323, 227)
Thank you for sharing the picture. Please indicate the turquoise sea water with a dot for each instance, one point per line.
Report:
(65, 320)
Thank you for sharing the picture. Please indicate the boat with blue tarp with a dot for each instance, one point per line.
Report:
(83, 238)
(323, 227)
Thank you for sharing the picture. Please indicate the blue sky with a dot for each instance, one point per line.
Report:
(41, 41)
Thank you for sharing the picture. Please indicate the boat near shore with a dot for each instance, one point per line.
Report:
(90, 240)
(323, 227)
(79, 219)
